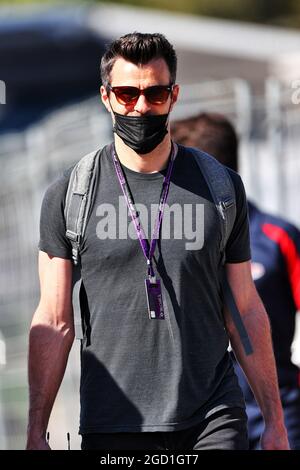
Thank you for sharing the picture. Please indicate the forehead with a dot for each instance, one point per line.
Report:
(155, 72)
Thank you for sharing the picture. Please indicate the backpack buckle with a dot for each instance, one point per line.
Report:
(74, 237)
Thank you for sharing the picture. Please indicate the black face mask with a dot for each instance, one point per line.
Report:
(141, 133)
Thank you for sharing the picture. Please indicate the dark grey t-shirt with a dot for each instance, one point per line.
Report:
(139, 374)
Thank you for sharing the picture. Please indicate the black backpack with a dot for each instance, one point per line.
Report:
(79, 199)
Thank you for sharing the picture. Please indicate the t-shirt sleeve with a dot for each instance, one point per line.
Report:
(238, 244)
(52, 222)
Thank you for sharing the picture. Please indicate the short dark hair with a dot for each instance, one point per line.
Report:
(210, 132)
(138, 48)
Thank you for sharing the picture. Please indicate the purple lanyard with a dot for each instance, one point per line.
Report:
(148, 252)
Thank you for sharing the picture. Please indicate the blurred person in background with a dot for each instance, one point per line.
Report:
(275, 265)
(158, 376)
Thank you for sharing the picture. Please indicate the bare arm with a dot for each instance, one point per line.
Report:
(259, 367)
(51, 338)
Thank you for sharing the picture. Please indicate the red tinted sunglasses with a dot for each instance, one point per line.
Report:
(129, 95)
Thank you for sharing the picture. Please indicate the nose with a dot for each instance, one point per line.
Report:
(142, 106)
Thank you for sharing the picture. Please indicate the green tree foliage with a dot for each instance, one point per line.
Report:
(276, 12)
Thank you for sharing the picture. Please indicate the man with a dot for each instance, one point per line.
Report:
(162, 379)
(275, 250)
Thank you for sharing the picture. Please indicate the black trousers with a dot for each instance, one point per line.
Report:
(224, 430)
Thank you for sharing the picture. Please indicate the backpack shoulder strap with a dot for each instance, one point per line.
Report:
(223, 194)
(78, 203)
(222, 191)
(79, 199)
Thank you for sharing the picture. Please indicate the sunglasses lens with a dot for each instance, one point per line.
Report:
(157, 94)
(126, 94)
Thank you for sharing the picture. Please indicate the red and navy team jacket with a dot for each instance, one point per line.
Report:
(275, 248)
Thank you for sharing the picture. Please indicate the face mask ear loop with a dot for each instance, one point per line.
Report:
(169, 111)
(108, 96)
(113, 112)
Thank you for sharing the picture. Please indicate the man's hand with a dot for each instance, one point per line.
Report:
(274, 438)
(37, 444)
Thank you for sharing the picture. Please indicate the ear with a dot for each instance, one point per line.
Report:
(105, 98)
(174, 96)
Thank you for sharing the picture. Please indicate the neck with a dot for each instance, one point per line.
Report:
(151, 162)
